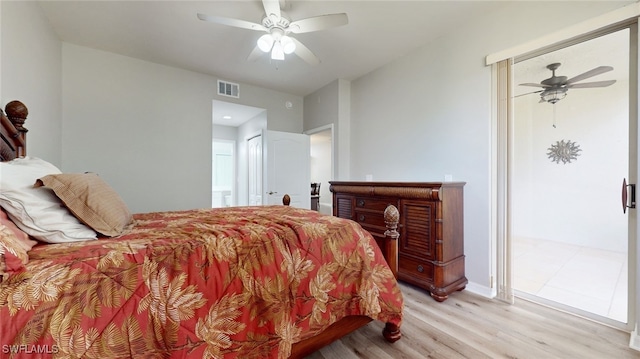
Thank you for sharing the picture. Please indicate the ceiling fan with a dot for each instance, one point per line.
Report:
(278, 28)
(555, 88)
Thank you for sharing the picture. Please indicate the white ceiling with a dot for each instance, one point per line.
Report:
(169, 32)
(378, 32)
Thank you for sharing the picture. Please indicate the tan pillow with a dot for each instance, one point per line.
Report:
(91, 200)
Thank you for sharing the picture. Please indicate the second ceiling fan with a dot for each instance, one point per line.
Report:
(278, 28)
(555, 88)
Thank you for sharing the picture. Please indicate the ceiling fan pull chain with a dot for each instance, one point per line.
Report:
(554, 115)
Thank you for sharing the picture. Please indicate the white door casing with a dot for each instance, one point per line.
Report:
(254, 173)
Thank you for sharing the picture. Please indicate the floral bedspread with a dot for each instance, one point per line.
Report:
(244, 282)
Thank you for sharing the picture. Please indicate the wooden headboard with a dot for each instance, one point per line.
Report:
(13, 135)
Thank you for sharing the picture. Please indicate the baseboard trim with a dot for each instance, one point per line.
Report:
(480, 290)
(634, 339)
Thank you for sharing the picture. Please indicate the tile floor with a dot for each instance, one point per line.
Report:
(585, 278)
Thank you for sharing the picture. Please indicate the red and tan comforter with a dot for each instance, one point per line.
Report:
(244, 282)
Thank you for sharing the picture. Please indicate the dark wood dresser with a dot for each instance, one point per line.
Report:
(431, 243)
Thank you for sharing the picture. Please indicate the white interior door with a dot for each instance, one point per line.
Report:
(287, 168)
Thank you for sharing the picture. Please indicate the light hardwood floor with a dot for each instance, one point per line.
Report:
(470, 326)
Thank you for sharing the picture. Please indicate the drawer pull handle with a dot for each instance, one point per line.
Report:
(361, 218)
(420, 268)
(361, 203)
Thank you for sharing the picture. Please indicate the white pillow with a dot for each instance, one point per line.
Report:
(38, 211)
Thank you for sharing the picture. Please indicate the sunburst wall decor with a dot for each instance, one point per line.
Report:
(564, 151)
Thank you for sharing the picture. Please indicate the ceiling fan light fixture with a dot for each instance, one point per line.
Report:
(288, 46)
(265, 42)
(554, 95)
(277, 24)
(277, 53)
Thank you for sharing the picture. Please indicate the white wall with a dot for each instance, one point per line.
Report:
(31, 72)
(225, 132)
(429, 113)
(331, 104)
(321, 107)
(146, 128)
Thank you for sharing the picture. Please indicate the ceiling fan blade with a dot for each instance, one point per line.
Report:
(534, 85)
(597, 71)
(528, 93)
(255, 54)
(304, 53)
(318, 23)
(592, 84)
(272, 8)
(232, 22)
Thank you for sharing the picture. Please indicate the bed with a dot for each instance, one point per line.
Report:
(245, 282)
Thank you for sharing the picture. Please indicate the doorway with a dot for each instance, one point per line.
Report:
(569, 155)
(322, 166)
(223, 181)
(236, 123)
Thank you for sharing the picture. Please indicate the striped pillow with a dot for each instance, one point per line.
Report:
(91, 200)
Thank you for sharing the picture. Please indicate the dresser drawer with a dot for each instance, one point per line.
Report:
(369, 218)
(413, 270)
(374, 204)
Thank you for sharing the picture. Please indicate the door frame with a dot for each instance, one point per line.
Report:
(334, 170)
(234, 171)
(333, 144)
(502, 108)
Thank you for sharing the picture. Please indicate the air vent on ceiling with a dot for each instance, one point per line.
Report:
(228, 89)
